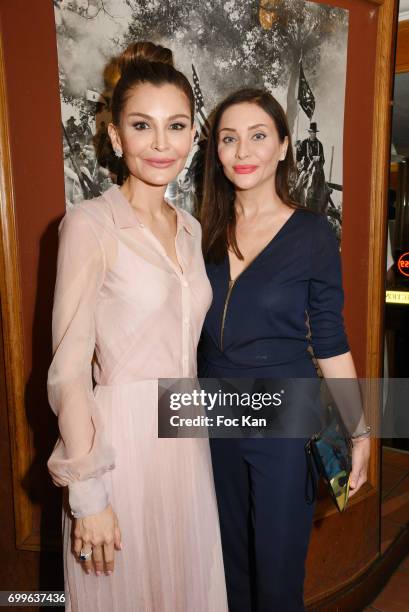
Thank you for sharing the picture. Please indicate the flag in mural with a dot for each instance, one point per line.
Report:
(220, 47)
(201, 117)
(305, 96)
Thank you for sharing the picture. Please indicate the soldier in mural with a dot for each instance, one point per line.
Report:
(72, 129)
(310, 150)
(84, 130)
(311, 188)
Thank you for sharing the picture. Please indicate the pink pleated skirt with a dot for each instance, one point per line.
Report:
(163, 494)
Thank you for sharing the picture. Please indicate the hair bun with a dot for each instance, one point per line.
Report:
(144, 51)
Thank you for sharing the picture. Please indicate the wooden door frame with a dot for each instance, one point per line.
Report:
(11, 312)
(381, 151)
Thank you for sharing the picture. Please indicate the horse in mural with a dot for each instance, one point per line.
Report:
(311, 189)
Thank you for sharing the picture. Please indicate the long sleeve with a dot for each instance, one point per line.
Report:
(81, 454)
(326, 297)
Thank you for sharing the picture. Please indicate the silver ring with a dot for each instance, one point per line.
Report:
(85, 555)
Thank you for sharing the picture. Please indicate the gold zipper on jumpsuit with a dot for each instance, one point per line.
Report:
(226, 303)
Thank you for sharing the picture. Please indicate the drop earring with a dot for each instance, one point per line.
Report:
(118, 152)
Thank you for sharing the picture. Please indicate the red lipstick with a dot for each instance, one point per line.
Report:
(244, 169)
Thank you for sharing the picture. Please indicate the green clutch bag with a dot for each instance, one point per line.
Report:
(331, 451)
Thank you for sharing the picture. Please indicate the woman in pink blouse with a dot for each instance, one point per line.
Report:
(130, 299)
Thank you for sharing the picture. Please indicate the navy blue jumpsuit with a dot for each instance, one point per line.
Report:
(256, 327)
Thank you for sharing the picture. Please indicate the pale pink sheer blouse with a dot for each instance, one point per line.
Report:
(124, 312)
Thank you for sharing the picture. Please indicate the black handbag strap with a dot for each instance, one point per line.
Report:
(310, 489)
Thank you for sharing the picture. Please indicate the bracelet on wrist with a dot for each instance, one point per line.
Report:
(362, 434)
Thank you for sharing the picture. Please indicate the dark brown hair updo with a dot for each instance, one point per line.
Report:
(217, 214)
(145, 62)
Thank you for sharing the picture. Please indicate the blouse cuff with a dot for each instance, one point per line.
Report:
(87, 497)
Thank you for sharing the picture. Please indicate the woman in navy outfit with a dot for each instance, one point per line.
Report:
(272, 264)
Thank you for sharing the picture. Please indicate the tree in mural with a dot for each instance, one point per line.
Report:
(73, 19)
(265, 38)
(87, 9)
(229, 32)
(299, 29)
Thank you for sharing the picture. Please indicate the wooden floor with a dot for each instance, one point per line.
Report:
(395, 518)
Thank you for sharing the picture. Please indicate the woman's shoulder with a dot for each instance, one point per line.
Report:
(88, 214)
(97, 208)
(316, 222)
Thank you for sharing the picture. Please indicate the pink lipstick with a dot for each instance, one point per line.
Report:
(244, 169)
(159, 163)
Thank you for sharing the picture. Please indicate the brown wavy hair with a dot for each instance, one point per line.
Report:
(145, 62)
(217, 214)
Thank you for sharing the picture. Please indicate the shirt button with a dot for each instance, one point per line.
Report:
(186, 320)
(185, 283)
(141, 225)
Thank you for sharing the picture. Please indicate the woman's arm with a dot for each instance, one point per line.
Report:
(81, 454)
(346, 392)
(330, 344)
(347, 397)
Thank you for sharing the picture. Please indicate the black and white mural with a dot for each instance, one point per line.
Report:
(294, 48)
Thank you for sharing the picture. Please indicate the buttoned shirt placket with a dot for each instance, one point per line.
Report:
(185, 293)
(185, 325)
(185, 300)
(128, 218)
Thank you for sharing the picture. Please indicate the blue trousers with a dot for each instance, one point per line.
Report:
(265, 521)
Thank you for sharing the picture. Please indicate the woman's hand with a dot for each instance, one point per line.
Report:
(99, 533)
(360, 460)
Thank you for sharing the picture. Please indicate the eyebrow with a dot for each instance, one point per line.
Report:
(252, 127)
(150, 117)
